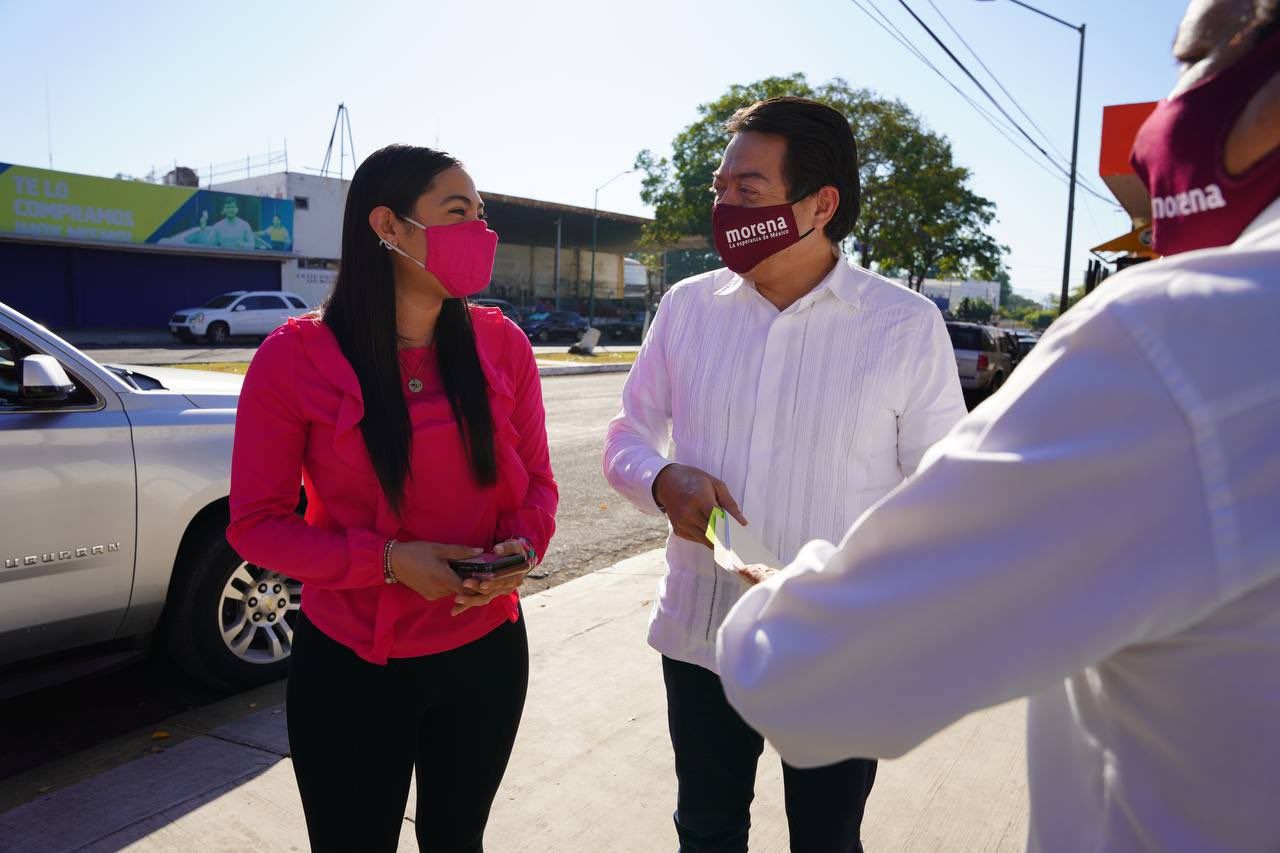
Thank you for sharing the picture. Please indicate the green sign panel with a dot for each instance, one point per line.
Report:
(52, 205)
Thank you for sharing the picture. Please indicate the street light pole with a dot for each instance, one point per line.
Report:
(1071, 193)
(1075, 150)
(595, 220)
(556, 286)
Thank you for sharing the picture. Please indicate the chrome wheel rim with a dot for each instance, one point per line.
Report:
(257, 612)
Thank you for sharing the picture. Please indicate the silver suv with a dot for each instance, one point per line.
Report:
(113, 512)
(982, 357)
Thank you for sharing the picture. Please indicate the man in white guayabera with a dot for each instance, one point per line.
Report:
(793, 390)
(1144, 621)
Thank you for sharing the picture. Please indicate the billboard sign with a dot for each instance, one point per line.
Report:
(80, 208)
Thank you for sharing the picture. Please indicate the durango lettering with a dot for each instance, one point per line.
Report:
(1187, 203)
(758, 229)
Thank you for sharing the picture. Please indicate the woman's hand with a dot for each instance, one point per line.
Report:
(423, 567)
(478, 593)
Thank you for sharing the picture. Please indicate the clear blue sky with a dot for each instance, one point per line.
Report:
(549, 100)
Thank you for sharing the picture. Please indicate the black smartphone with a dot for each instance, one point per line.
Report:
(487, 567)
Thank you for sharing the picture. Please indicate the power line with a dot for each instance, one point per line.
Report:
(889, 27)
(990, 97)
(1047, 138)
(975, 80)
(992, 75)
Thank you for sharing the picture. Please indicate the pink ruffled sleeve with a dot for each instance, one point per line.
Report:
(266, 477)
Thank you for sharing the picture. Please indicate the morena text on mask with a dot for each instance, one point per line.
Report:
(1187, 203)
(750, 233)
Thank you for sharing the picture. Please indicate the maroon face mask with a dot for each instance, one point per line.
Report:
(1195, 203)
(745, 236)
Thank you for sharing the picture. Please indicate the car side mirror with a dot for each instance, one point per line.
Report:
(44, 381)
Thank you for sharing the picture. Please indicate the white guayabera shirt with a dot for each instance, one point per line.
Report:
(809, 415)
(1111, 518)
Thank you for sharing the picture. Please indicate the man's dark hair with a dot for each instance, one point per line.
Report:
(821, 152)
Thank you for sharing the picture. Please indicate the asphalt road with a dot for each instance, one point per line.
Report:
(596, 528)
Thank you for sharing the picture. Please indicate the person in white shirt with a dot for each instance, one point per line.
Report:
(230, 232)
(794, 390)
(1103, 535)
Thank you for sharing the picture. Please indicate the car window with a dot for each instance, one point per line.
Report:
(10, 382)
(296, 302)
(542, 315)
(263, 303)
(967, 337)
(220, 301)
(12, 352)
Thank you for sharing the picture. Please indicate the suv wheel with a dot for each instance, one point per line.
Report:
(997, 382)
(218, 333)
(544, 336)
(229, 622)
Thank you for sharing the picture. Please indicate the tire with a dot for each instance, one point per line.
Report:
(217, 333)
(209, 626)
(997, 382)
(544, 336)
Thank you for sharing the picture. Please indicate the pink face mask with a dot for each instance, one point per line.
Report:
(459, 255)
(1195, 203)
(746, 236)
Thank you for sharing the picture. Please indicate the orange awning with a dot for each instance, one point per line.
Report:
(1136, 242)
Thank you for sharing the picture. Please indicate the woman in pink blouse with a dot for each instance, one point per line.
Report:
(414, 422)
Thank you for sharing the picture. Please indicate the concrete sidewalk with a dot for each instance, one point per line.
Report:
(591, 773)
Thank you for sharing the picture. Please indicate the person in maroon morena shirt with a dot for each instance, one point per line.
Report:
(415, 423)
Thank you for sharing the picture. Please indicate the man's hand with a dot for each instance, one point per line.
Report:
(688, 495)
(478, 593)
(423, 567)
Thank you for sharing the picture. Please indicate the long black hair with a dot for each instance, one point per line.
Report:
(361, 313)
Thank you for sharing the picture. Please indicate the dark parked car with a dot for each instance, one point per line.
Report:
(1009, 343)
(628, 328)
(508, 310)
(547, 326)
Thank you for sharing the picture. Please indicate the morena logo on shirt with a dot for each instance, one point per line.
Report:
(1187, 203)
(756, 232)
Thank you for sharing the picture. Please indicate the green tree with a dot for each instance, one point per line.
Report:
(1015, 307)
(974, 310)
(918, 216)
(1040, 319)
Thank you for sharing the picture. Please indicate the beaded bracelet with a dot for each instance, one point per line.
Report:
(528, 550)
(388, 574)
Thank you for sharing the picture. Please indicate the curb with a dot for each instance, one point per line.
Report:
(545, 369)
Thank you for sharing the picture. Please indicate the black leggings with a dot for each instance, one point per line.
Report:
(357, 730)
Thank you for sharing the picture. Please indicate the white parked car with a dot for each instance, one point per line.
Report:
(254, 313)
(113, 518)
